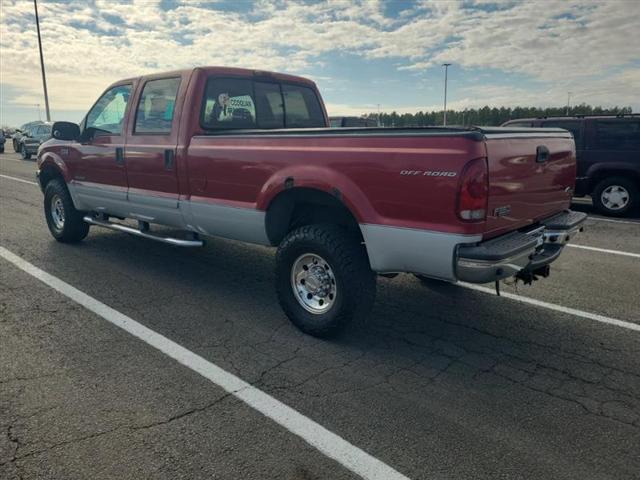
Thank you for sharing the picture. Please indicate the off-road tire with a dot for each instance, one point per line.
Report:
(354, 280)
(627, 184)
(74, 229)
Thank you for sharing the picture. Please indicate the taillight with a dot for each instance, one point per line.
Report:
(473, 191)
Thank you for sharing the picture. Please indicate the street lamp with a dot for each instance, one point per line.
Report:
(568, 102)
(44, 78)
(446, 70)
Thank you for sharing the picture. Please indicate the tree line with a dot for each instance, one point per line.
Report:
(487, 115)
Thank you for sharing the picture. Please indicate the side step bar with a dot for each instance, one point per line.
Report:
(133, 231)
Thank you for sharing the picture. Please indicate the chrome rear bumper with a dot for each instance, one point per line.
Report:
(510, 254)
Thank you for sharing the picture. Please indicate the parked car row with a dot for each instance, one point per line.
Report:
(29, 137)
(608, 157)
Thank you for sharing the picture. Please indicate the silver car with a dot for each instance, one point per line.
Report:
(33, 137)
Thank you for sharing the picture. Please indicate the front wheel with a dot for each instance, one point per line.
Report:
(64, 221)
(615, 196)
(25, 155)
(323, 279)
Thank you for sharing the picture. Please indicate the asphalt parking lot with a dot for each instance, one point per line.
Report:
(442, 382)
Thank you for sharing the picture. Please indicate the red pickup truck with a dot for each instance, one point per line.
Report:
(249, 155)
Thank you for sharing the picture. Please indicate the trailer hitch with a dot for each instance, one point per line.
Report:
(529, 276)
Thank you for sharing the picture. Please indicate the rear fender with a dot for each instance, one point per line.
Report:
(323, 179)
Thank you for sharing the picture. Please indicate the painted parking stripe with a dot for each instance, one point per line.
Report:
(333, 446)
(558, 308)
(611, 220)
(604, 250)
(19, 179)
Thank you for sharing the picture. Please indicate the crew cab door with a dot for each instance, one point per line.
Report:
(99, 180)
(150, 153)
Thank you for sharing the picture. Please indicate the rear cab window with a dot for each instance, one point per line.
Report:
(240, 103)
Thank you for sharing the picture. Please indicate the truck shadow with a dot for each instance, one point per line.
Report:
(419, 341)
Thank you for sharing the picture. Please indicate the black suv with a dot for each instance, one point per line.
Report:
(608, 154)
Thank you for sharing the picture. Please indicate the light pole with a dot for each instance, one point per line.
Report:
(379, 115)
(568, 102)
(44, 77)
(446, 70)
(39, 114)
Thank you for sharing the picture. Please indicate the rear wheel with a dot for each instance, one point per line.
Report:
(64, 221)
(615, 196)
(16, 147)
(323, 279)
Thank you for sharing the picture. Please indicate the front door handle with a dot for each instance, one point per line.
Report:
(120, 155)
(168, 159)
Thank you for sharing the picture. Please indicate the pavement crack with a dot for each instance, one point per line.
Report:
(183, 414)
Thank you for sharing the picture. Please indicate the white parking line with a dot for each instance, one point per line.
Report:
(333, 446)
(604, 250)
(600, 219)
(558, 308)
(18, 179)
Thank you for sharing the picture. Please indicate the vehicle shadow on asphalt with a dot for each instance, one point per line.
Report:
(220, 302)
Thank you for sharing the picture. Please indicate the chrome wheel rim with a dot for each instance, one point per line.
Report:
(313, 283)
(615, 197)
(57, 212)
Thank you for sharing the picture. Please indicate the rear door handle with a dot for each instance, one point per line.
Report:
(168, 159)
(120, 155)
(542, 154)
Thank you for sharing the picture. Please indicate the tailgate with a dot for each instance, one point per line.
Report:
(531, 176)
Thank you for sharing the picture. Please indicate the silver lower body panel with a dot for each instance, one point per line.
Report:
(394, 249)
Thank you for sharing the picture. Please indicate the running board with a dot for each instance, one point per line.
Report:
(133, 231)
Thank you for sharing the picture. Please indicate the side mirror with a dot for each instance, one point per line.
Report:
(65, 131)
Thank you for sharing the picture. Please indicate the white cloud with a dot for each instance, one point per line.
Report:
(590, 48)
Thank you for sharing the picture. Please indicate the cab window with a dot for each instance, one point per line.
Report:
(242, 103)
(156, 105)
(228, 103)
(302, 108)
(270, 105)
(107, 115)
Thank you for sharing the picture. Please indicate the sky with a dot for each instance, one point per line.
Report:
(361, 53)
